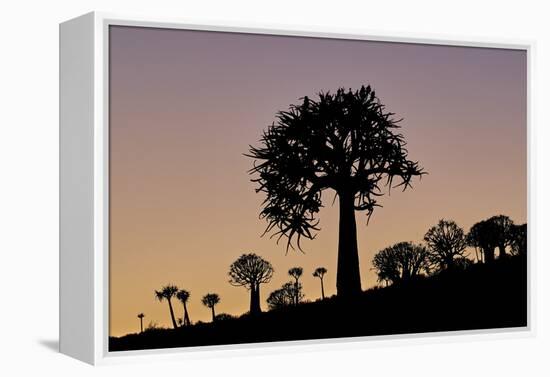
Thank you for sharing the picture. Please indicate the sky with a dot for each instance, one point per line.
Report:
(186, 105)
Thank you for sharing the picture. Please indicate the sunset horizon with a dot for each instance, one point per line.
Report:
(186, 106)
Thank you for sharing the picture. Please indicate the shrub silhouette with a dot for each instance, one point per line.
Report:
(210, 300)
(296, 273)
(250, 271)
(280, 298)
(344, 141)
(320, 273)
(141, 316)
(287, 295)
(401, 262)
(224, 317)
(168, 292)
(152, 327)
(183, 296)
(446, 241)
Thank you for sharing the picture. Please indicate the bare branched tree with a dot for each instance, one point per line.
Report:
(210, 300)
(447, 242)
(482, 236)
(502, 228)
(167, 293)
(402, 262)
(320, 273)
(250, 271)
(346, 142)
(285, 296)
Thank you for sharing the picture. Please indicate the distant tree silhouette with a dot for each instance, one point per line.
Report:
(502, 228)
(210, 300)
(296, 273)
(483, 237)
(320, 273)
(447, 242)
(344, 141)
(141, 316)
(183, 296)
(168, 292)
(285, 296)
(518, 239)
(401, 262)
(250, 271)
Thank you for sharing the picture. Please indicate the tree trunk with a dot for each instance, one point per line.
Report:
(406, 275)
(348, 280)
(322, 289)
(489, 255)
(172, 314)
(186, 320)
(213, 313)
(255, 299)
(141, 324)
(501, 251)
(296, 293)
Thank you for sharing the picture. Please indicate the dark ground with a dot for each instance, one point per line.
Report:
(482, 297)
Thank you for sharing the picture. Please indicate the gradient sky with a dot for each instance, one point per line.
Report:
(185, 105)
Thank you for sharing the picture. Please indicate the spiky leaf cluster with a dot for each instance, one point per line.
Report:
(345, 141)
(250, 270)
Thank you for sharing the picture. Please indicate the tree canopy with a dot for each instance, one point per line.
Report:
(401, 262)
(447, 242)
(249, 270)
(345, 141)
(210, 300)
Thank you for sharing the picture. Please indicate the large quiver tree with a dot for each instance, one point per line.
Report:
(344, 141)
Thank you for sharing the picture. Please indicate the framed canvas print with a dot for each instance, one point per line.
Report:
(226, 187)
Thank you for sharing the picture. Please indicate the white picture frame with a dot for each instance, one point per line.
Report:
(84, 201)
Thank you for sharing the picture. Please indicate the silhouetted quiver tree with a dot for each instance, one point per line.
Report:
(210, 300)
(518, 239)
(446, 241)
(502, 228)
(183, 296)
(141, 316)
(296, 273)
(401, 262)
(344, 141)
(482, 236)
(249, 271)
(167, 293)
(285, 296)
(320, 273)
